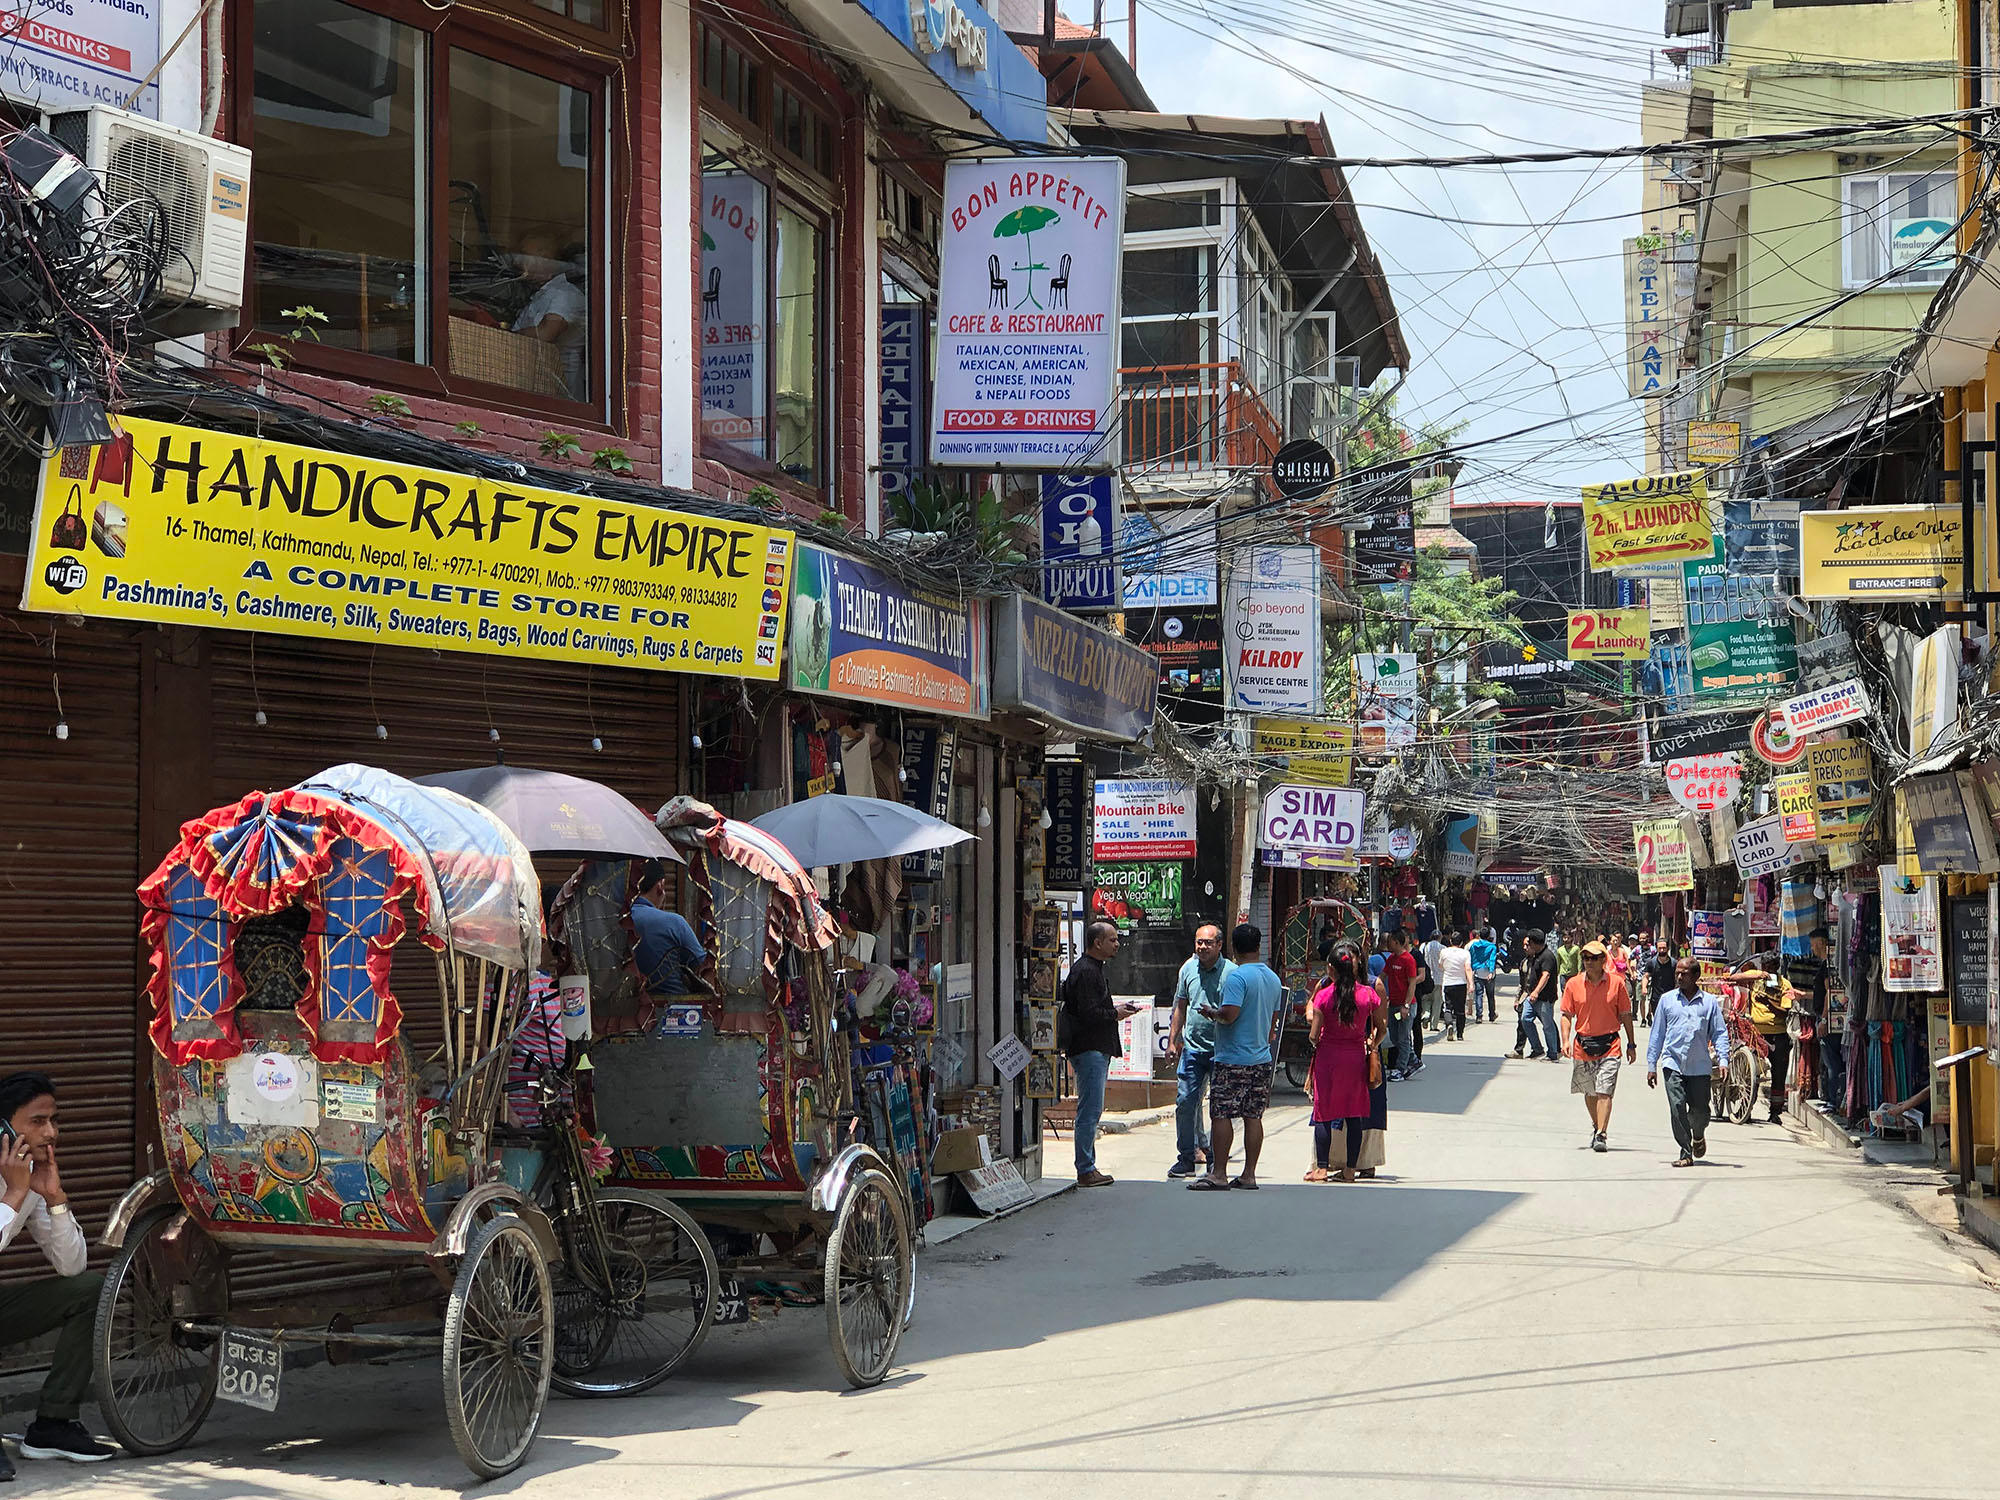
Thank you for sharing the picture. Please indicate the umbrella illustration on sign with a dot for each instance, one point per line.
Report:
(1024, 222)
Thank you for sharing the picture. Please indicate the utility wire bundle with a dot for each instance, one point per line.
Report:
(76, 276)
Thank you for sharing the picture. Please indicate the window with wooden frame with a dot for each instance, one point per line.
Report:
(429, 195)
(766, 302)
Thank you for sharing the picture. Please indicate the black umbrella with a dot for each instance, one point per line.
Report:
(556, 814)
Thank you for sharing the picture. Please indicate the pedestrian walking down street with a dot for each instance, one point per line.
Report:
(1399, 980)
(1430, 993)
(1240, 1086)
(1345, 1024)
(1537, 1002)
(1595, 1007)
(1664, 976)
(1687, 1024)
(1191, 1040)
(1092, 1018)
(1485, 956)
(1771, 999)
(1455, 983)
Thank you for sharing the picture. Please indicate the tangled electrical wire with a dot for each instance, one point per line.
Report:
(80, 265)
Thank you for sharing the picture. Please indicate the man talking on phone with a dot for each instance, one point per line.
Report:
(1090, 1018)
(32, 1200)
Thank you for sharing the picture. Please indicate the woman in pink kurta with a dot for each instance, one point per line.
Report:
(1346, 1026)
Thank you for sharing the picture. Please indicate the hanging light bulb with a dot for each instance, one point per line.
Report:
(62, 729)
(596, 743)
(381, 731)
(1047, 820)
(695, 741)
(901, 774)
(1208, 887)
(985, 819)
(493, 735)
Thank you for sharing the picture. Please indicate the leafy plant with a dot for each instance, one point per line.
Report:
(387, 405)
(836, 519)
(763, 497)
(931, 508)
(302, 318)
(467, 430)
(560, 445)
(611, 461)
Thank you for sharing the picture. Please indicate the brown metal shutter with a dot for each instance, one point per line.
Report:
(69, 863)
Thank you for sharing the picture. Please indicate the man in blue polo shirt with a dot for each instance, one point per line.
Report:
(1240, 1086)
(1191, 1042)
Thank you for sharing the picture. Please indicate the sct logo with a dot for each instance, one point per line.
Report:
(66, 575)
(767, 653)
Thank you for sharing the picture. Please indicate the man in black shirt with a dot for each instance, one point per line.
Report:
(1092, 1020)
(1538, 999)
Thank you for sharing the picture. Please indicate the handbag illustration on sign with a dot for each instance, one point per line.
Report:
(69, 534)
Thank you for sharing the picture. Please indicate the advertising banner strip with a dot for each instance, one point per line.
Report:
(186, 526)
(1140, 820)
(1666, 863)
(1271, 624)
(858, 633)
(1610, 634)
(1872, 552)
(1312, 819)
(1655, 518)
(1826, 707)
(1319, 753)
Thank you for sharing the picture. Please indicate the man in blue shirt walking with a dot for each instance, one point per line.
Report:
(1686, 1023)
(1240, 1086)
(1191, 1040)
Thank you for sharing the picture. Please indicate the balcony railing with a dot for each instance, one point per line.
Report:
(1180, 418)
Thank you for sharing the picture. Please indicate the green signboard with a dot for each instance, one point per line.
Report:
(1132, 895)
(1741, 647)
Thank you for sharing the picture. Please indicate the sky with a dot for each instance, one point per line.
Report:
(1511, 322)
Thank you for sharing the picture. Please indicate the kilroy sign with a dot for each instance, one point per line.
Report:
(1705, 782)
(1315, 819)
(1825, 708)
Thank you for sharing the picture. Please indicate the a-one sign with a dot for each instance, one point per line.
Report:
(1666, 862)
(1027, 359)
(1303, 469)
(1654, 518)
(1877, 552)
(1079, 541)
(1610, 634)
(1826, 708)
(75, 53)
(1759, 848)
(1314, 819)
(1705, 782)
(1143, 820)
(1796, 812)
(1271, 630)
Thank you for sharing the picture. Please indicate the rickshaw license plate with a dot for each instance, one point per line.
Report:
(731, 1306)
(251, 1365)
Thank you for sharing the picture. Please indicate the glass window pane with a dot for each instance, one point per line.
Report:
(339, 182)
(796, 359)
(519, 223)
(1145, 211)
(1169, 281)
(1866, 238)
(734, 225)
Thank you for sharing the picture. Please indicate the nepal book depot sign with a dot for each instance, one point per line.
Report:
(1028, 314)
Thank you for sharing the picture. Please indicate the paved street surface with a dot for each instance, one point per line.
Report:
(1508, 1314)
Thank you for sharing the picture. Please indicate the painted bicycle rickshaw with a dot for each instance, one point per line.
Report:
(1310, 927)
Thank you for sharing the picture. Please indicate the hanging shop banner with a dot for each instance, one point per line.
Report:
(184, 526)
(1378, 841)
(1385, 543)
(1741, 649)
(1070, 673)
(1950, 834)
(1069, 798)
(1657, 518)
(1773, 741)
(1826, 660)
(1322, 754)
(1707, 935)
(857, 633)
(71, 54)
(1080, 541)
(1798, 915)
(1932, 712)
(1704, 782)
(929, 753)
(1912, 946)
(1386, 692)
(1272, 626)
(1312, 819)
(1168, 558)
(1710, 443)
(1533, 672)
(1610, 634)
(1187, 643)
(1648, 321)
(1138, 821)
(1794, 793)
(1666, 863)
(1970, 940)
(1461, 844)
(1761, 536)
(1712, 734)
(1138, 895)
(1873, 553)
(1759, 848)
(1843, 787)
(1027, 357)
(1825, 708)
(900, 393)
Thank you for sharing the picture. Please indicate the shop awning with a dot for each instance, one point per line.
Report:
(1960, 325)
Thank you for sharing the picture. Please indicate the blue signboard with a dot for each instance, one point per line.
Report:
(901, 453)
(1069, 672)
(858, 633)
(967, 48)
(1079, 542)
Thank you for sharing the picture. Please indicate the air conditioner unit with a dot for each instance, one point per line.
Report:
(201, 184)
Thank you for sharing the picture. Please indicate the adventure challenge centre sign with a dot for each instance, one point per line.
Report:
(190, 527)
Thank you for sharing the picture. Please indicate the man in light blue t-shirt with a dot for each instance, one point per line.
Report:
(1191, 1042)
(1240, 1086)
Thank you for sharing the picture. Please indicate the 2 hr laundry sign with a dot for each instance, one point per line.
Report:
(1610, 634)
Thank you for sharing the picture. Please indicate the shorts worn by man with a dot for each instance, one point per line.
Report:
(32, 1199)
(1240, 1087)
(1595, 1005)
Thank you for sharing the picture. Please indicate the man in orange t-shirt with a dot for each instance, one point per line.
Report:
(1595, 1006)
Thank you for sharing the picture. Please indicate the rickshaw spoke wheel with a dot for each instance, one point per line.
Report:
(627, 1331)
(499, 1341)
(870, 1268)
(155, 1381)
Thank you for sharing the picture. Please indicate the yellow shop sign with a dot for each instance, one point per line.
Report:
(1655, 518)
(191, 527)
(1874, 552)
(1319, 753)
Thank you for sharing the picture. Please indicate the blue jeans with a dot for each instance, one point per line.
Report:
(1400, 1038)
(1190, 1118)
(1545, 1012)
(1483, 1001)
(1091, 1069)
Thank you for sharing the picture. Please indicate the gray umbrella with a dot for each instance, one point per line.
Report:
(836, 829)
(556, 814)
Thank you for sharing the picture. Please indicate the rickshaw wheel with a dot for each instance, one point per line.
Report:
(1746, 1077)
(155, 1383)
(627, 1337)
(499, 1341)
(870, 1271)
(1297, 1070)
